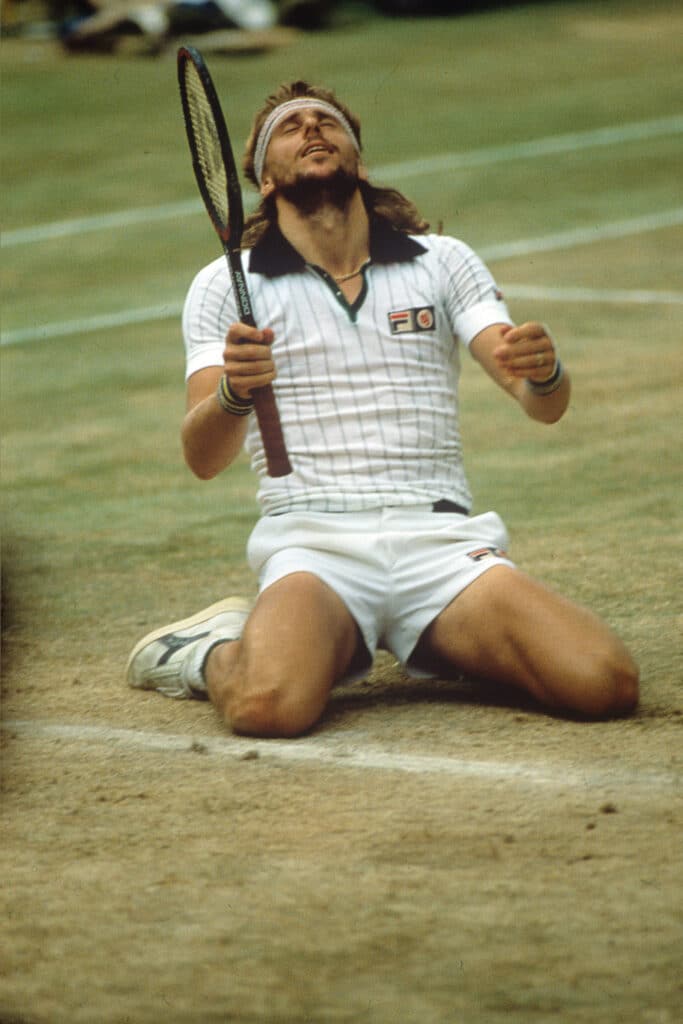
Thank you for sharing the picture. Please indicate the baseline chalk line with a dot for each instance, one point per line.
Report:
(344, 751)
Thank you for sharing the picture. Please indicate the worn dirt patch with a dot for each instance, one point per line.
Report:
(207, 884)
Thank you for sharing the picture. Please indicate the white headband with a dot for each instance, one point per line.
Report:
(277, 115)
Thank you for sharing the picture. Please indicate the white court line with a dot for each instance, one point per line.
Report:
(584, 235)
(570, 143)
(506, 250)
(344, 751)
(88, 324)
(599, 295)
(488, 155)
(101, 222)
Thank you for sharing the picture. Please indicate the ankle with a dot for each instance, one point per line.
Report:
(218, 662)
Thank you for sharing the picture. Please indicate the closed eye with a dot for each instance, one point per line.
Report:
(294, 123)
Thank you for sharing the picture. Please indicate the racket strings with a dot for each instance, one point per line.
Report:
(206, 144)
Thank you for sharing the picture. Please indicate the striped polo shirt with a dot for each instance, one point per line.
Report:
(367, 392)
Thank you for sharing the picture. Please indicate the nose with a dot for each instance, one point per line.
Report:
(311, 123)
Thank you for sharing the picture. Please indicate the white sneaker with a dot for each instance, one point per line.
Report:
(171, 659)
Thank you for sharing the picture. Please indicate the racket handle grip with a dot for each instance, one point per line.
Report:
(271, 431)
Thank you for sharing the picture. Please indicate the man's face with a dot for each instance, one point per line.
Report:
(309, 155)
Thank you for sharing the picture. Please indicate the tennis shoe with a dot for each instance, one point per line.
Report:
(171, 659)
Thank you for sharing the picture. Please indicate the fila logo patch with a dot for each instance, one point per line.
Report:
(481, 553)
(420, 318)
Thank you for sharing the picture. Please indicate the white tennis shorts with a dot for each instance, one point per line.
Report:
(396, 569)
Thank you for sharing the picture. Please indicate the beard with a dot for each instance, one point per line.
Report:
(310, 194)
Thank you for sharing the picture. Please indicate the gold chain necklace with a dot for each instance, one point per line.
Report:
(355, 273)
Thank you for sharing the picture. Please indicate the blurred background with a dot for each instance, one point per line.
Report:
(101, 23)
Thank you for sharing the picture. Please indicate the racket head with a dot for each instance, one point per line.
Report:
(216, 174)
(212, 156)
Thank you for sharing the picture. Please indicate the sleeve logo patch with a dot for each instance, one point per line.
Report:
(404, 321)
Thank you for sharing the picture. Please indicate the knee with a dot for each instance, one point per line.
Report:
(270, 712)
(258, 699)
(612, 688)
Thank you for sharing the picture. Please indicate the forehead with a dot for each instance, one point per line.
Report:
(303, 112)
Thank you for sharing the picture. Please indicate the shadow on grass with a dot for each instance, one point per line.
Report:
(387, 685)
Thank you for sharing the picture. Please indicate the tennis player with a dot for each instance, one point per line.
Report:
(369, 543)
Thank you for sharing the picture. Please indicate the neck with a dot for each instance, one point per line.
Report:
(338, 240)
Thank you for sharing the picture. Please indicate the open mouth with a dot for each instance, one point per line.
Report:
(316, 147)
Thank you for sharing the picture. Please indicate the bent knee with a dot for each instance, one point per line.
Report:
(272, 712)
(611, 688)
(625, 687)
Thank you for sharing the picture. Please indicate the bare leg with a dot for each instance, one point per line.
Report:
(507, 627)
(275, 681)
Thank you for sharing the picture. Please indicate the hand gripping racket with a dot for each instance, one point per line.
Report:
(216, 173)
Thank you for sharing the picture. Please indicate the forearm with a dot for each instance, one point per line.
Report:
(211, 437)
(544, 408)
(519, 360)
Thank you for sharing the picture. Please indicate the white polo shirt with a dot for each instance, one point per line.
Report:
(367, 393)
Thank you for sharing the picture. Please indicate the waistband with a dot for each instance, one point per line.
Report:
(444, 505)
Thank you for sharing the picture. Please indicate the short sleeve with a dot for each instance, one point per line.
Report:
(473, 299)
(208, 312)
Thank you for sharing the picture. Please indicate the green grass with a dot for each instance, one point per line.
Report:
(102, 522)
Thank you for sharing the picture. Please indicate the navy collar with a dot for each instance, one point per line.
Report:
(274, 256)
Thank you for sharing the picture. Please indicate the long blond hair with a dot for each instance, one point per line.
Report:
(385, 202)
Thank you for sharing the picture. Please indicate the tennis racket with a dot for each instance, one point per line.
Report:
(216, 174)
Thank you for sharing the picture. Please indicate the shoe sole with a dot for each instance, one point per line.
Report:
(229, 604)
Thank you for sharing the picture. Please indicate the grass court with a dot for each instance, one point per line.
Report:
(434, 854)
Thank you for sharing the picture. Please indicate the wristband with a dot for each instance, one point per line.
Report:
(230, 402)
(546, 387)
